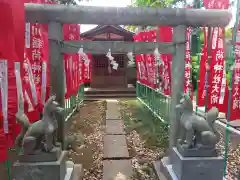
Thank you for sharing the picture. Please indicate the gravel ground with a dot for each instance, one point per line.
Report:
(233, 155)
(143, 156)
(147, 141)
(88, 127)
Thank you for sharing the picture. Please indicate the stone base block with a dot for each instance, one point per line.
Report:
(197, 168)
(54, 155)
(74, 171)
(189, 168)
(55, 170)
(199, 152)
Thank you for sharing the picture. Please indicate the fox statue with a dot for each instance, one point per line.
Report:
(195, 131)
(39, 136)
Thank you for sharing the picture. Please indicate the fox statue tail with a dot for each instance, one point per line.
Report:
(23, 120)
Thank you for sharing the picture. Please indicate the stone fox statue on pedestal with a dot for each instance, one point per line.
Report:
(195, 131)
(39, 136)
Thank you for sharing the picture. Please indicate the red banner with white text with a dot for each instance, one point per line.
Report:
(71, 32)
(11, 56)
(235, 99)
(202, 71)
(150, 36)
(216, 67)
(36, 78)
(188, 87)
(222, 99)
(166, 35)
(87, 69)
(141, 76)
(143, 64)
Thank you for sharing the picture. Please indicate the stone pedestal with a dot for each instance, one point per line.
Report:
(48, 170)
(190, 168)
(52, 156)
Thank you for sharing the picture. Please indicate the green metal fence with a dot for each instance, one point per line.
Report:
(73, 101)
(155, 101)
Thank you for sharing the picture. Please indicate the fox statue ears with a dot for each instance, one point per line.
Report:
(48, 103)
(186, 102)
(51, 98)
(183, 96)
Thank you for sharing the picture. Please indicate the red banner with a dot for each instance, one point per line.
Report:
(154, 61)
(202, 71)
(143, 64)
(235, 99)
(36, 78)
(166, 35)
(188, 87)
(87, 69)
(216, 4)
(137, 38)
(71, 32)
(150, 36)
(217, 67)
(11, 51)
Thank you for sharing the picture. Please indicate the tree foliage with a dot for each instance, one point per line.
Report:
(174, 3)
(66, 2)
(152, 4)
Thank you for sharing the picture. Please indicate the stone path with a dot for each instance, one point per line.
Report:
(116, 159)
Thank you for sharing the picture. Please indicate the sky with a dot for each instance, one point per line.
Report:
(124, 3)
(109, 3)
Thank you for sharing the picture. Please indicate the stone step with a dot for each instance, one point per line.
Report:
(114, 127)
(86, 98)
(117, 169)
(115, 147)
(109, 91)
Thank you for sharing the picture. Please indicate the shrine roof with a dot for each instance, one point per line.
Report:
(100, 29)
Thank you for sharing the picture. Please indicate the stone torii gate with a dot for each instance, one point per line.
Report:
(180, 19)
(57, 15)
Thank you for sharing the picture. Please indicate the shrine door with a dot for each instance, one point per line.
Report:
(103, 78)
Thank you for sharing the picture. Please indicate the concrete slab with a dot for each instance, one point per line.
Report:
(165, 171)
(117, 169)
(55, 170)
(112, 105)
(113, 114)
(115, 127)
(115, 147)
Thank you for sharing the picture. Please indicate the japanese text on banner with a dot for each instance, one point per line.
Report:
(188, 89)
(217, 67)
(235, 99)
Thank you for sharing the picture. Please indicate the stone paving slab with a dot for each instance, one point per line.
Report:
(112, 105)
(115, 147)
(113, 114)
(117, 169)
(115, 127)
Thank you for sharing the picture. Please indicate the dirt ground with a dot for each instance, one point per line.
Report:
(147, 138)
(88, 126)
